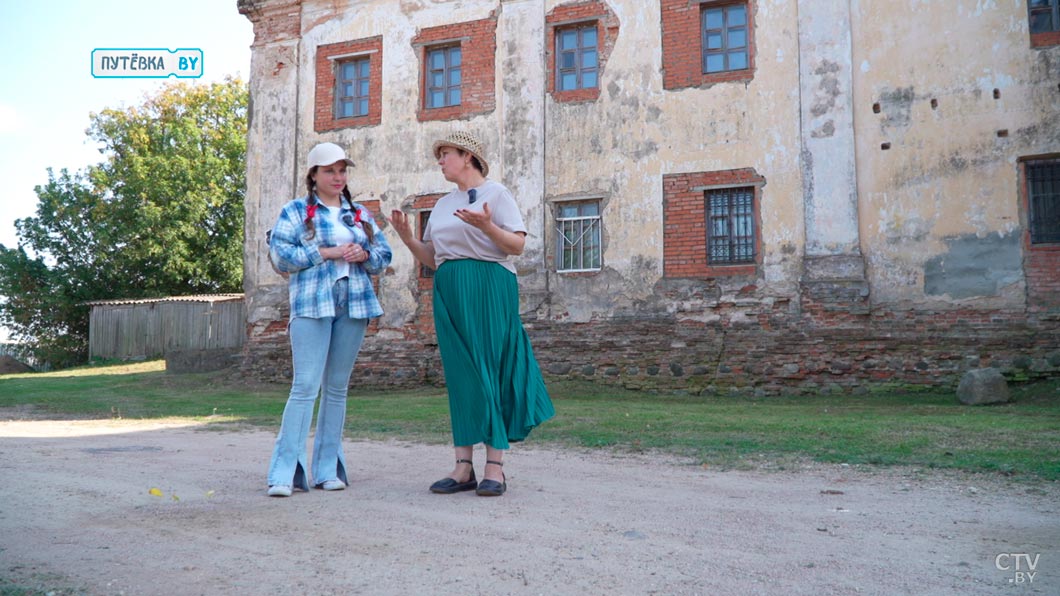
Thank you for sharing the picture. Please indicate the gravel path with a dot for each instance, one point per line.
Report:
(76, 515)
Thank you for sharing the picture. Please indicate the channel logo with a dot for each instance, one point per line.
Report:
(146, 63)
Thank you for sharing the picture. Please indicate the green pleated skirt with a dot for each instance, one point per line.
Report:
(496, 393)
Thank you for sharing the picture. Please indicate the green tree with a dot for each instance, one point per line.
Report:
(162, 215)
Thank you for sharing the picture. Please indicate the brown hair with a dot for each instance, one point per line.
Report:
(474, 160)
(312, 200)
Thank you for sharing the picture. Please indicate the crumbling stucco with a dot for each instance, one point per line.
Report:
(974, 266)
(888, 149)
(947, 173)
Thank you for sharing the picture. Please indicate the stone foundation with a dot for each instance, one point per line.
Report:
(766, 350)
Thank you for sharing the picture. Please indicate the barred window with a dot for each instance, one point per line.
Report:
(576, 58)
(1044, 15)
(578, 230)
(730, 225)
(443, 77)
(1043, 199)
(352, 85)
(424, 217)
(725, 38)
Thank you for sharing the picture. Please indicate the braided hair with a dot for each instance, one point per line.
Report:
(312, 200)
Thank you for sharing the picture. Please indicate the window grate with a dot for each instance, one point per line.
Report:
(730, 226)
(579, 238)
(1043, 195)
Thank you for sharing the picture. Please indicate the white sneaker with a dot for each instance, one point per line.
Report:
(333, 485)
(280, 490)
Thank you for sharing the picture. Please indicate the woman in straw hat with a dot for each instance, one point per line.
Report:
(329, 246)
(496, 393)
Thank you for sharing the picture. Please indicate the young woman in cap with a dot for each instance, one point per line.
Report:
(496, 393)
(329, 246)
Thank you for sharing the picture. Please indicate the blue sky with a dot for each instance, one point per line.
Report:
(48, 89)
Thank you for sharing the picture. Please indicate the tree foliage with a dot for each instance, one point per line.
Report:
(161, 215)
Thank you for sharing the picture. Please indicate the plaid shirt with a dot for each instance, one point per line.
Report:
(312, 276)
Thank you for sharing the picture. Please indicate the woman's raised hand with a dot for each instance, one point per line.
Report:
(479, 219)
(401, 224)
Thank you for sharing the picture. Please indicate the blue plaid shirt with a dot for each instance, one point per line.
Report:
(312, 276)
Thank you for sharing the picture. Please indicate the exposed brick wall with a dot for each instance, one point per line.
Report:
(324, 98)
(1041, 265)
(1041, 262)
(759, 350)
(580, 14)
(772, 350)
(424, 319)
(478, 50)
(682, 45)
(1044, 40)
(685, 222)
(273, 21)
(373, 205)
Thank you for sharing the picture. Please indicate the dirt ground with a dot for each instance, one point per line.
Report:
(77, 516)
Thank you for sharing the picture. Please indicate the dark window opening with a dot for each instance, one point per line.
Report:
(1044, 15)
(1043, 198)
(425, 216)
(730, 226)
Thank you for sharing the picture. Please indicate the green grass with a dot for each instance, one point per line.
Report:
(46, 586)
(925, 429)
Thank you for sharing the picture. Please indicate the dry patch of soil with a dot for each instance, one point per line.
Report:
(76, 515)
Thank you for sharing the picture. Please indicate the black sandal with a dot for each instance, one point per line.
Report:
(448, 486)
(492, 488)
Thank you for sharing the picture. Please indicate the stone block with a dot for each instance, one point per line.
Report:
(983, 386)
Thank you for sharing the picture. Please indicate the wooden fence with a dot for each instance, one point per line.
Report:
(146, 329)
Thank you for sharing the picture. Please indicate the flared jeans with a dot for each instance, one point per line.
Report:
(323, 352)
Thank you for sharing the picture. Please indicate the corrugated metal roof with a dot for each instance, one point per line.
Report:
(199, 298)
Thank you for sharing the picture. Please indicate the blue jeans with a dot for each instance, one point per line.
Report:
(323, 352)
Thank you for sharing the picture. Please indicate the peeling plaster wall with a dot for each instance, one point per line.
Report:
(945, 195)
(521, 119)
(902, 265)
(394, 161)
(827, 133)
(272, 122)
(618, 148)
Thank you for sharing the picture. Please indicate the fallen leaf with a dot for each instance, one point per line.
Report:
(154, 492)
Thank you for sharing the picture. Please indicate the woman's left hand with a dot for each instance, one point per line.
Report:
(353, 253)
(479, 219)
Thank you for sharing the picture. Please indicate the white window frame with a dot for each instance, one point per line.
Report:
(579, 226)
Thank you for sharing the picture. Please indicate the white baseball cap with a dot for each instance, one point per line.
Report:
(326, 154)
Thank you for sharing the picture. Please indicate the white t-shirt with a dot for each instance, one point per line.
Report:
(343, 235)
(454, 239)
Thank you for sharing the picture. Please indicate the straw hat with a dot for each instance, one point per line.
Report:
(463, 139)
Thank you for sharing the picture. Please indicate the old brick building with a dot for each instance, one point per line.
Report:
(762, 195)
